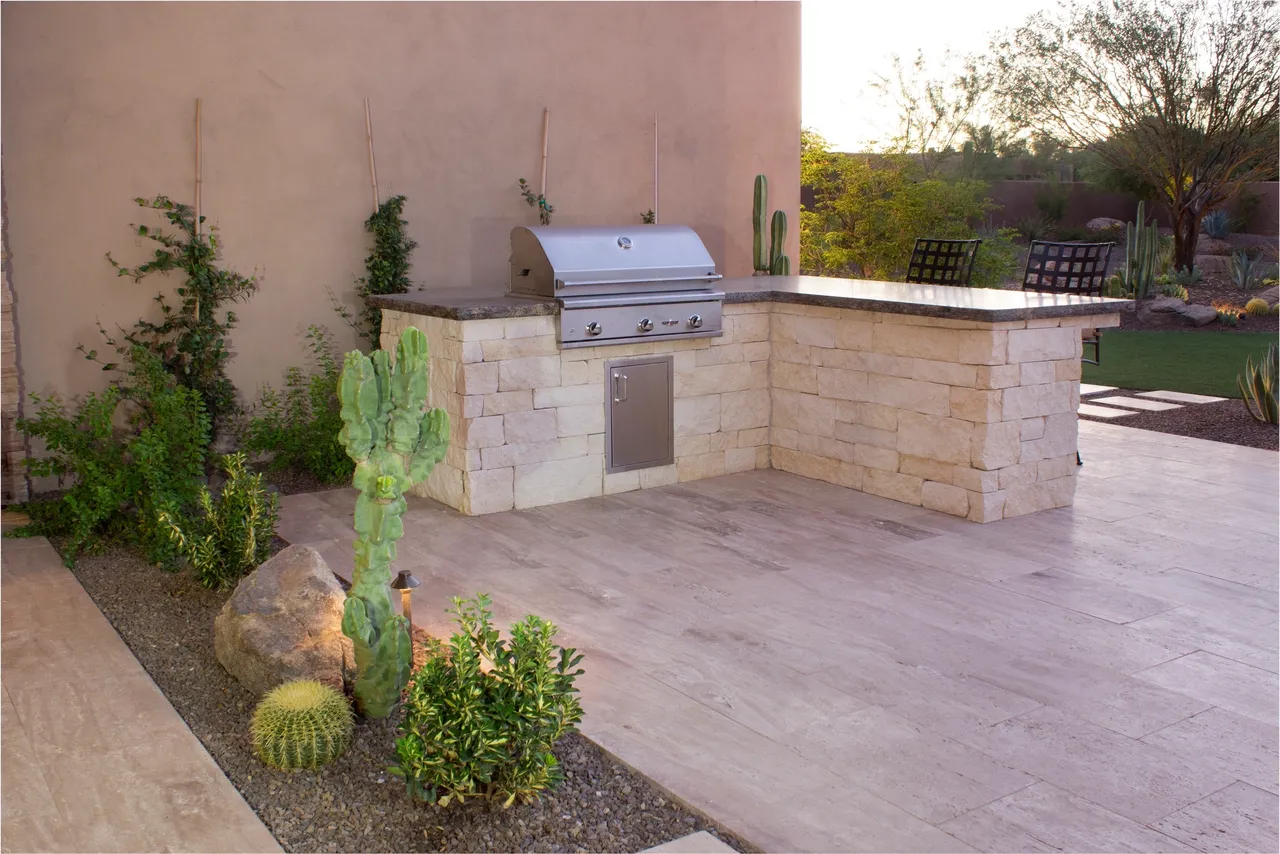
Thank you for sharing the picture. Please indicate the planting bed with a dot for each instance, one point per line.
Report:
(354, 804)
(1226, 421)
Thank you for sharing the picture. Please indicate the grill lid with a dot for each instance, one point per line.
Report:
(546, 260)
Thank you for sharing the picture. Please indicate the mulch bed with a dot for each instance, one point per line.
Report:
(354, 804)
(1227, 421)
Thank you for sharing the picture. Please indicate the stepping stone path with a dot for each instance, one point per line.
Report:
(1146, 401)
(1180, 396)
(1089, 388)
(1103, 411)
(1142, 403)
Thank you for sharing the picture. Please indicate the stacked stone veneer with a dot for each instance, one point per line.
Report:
(972, 419)
(528, 418)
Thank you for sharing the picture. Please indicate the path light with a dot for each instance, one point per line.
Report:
(405, 582)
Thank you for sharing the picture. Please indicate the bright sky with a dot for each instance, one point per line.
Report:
(846, 43)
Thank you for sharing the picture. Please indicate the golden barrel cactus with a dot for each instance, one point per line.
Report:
(302, 724)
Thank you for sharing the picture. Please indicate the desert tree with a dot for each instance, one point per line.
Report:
(1180, 94)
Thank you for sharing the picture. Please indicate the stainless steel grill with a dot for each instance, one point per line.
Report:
(619, 284)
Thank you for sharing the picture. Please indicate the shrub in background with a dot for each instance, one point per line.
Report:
(300, 426)
(233, 534)
(386, 269)
(302, 724)
(121, 480)
(481, 719)
(1258, 386)
(997, 258)
(190, 339)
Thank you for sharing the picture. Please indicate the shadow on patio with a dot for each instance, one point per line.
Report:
(821, 669)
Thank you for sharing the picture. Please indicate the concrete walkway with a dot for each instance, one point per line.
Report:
(94, 757)
(823, 670)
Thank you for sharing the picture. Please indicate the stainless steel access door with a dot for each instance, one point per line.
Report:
(639, 424)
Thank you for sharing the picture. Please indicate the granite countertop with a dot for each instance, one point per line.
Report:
(979, 304)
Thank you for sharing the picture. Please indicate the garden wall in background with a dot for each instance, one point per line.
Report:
(98, 108)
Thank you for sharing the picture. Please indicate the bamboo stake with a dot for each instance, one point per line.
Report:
(546, 131)
(373, 169)
(655, 166)
(199, 190)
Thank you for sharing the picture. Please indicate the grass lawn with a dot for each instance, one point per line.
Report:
(1196, 362)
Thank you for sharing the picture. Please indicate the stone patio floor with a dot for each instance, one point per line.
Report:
(823, 670)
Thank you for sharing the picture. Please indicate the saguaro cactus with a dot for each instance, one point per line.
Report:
(771, 260)
(395, 441)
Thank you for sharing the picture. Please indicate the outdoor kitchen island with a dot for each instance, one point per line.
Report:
(961, 400)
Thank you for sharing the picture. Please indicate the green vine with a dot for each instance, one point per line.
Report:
(387, 269)
(545, 210)
(190, 340)
(649, 217)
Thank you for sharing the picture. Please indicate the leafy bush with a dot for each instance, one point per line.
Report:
(472, 733)
(997, 258)
(1259, 384)
(302, 724)
(1247, 271)
(387, 269)
(1051, 201)
(191, 340)
(122, 480)
(1216, 224)
(300, 427)
(233, 534)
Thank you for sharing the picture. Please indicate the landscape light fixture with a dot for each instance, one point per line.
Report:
(405, 582)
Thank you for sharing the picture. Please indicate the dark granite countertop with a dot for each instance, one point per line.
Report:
(979, 304)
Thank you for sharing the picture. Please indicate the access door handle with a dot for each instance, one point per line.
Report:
(619, 388)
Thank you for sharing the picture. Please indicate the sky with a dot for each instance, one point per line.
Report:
(846, 43)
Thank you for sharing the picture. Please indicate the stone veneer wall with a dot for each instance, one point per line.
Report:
(528, 418)
(972, 419)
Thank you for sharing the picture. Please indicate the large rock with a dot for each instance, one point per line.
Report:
(1165, 305)
(283, 622)
(1212, 246)
(1199, 315)
(1271, 295)
(1214, 264)
(1105, 223)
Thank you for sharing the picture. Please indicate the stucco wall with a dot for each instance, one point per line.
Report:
(98, 108)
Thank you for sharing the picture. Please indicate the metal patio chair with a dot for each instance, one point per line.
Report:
(942, 262)
(1070, 268)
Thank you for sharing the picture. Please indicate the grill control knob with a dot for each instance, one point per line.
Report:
(593, 328)
(695, 321)
(645, 325)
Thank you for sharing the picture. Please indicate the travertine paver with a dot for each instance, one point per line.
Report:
(94, 757)
(701, 842)
(1137, 403)
(826, 670)
(1102, 411)
(1090, 388)
(1181, 396)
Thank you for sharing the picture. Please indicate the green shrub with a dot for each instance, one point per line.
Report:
(386, 269)
(234, 531)
(1258, 386)
(1072, 234)
(997, 258)
(121, 480)
(472, 733)
(1034, 227)
(301, 724)
(300, 427)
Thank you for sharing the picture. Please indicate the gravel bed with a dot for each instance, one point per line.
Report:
(1226, 421)
(354, 805)
(293, 481)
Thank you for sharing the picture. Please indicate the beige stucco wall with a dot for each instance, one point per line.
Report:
(98, 108)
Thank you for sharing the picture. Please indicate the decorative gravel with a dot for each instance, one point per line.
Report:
(1226, 421)
(354, 804)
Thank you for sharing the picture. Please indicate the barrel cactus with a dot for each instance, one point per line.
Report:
(1257, 307)
(302, 724)
(395, 439)
(769, 261)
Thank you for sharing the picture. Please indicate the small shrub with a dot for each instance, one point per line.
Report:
(1072, 234)
(472, 733)
(1258, 386)
(302, 724)
(1257, 307)
(1173, 289)
(121, 480)
(1216, 224)
(386, 269)
(1034, 227)
(300, 427)
(1247, 271)
(997, 258)
(233, 535)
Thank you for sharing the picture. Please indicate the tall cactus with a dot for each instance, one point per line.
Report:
(768, 260)
(1141, 253)
(395, 441)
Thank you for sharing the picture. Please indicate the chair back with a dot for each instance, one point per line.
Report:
(1070, 268)
(942, 262)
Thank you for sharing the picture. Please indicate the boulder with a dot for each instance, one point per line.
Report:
(1212, 246)
(1199, 315)
(1214, 264)
(1165, 305)
(284, 622)
(1105, 223)
(1271, 295)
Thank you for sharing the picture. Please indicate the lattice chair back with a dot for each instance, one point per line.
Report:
(1070, 268)
(942, 262)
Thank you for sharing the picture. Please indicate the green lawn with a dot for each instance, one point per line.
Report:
(1196, 362)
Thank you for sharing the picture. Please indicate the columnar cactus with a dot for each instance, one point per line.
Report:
(395, 441)
(771, 260)
(1141, 249)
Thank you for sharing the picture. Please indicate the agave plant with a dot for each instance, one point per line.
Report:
(1258, 386)
(1247, 272)
(1216, 224)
